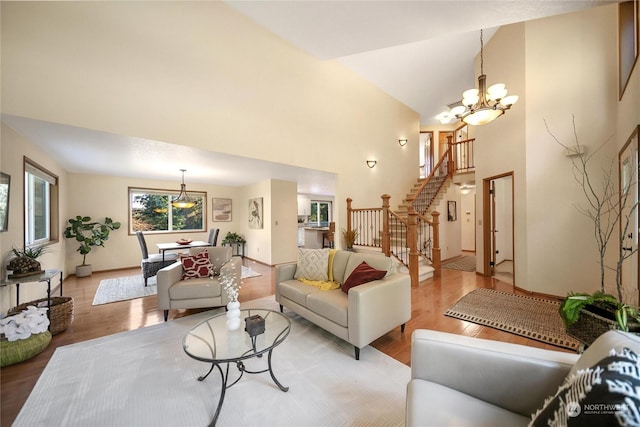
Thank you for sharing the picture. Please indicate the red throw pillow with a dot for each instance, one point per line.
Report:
(194, 267)
(363, 273)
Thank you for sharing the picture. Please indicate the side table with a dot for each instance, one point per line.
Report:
(237, 248)
(46, 276)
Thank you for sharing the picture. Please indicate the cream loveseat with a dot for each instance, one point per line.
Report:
(465, 381)
(359, 316)
(198, 292)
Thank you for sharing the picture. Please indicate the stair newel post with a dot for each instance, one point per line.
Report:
(412, 243)
(386, 233)
(450, 164)
(349, 213)
(435, 250)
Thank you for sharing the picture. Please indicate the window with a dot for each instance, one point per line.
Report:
(40, 204)
(320, 213)
(150, 210)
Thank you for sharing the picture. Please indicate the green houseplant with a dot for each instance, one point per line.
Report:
(233, 238)
(89, 234)
(611, 210)
(26, 261)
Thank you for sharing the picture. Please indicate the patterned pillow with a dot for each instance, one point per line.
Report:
(196, 266)
(313, 264)
(605, 394)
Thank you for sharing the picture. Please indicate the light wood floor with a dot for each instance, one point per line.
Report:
(429, 301)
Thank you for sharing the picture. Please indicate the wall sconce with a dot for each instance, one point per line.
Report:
(371, 163)
(402, 142)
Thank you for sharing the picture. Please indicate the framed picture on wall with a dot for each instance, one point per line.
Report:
(628, 40)
(452, 215)
(221, 209)
(255, 213)
(5, 186)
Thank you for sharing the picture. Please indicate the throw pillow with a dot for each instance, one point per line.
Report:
(605, 394)
(196, 266)
(363, 273)
(313, 264)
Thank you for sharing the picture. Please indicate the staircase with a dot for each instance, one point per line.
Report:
(408, 233)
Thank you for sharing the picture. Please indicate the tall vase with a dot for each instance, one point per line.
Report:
(233, 316)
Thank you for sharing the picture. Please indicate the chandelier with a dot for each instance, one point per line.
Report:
(480, 106)
(183, 200)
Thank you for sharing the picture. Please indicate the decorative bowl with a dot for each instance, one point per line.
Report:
(184, 241)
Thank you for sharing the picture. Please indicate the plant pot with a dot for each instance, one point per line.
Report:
(595, 321)
(83, 270)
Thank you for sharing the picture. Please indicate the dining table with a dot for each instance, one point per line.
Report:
(175, 246)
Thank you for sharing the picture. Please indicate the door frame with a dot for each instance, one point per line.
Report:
(486, 224)
(634, 139)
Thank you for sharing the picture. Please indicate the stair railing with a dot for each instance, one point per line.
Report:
(405, 239)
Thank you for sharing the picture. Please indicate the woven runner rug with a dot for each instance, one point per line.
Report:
(465, 263)
(528, 316)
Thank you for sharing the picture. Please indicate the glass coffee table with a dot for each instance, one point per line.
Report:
(210, 341)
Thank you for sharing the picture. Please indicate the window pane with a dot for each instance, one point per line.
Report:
(151, 210)
(40, 211)
(188, 218)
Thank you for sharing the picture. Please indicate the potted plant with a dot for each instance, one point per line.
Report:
(587, 315)
(349, 237)
(26, 261)
(233, 238)
(89, 234)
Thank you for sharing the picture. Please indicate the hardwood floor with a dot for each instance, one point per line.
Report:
(429, 301)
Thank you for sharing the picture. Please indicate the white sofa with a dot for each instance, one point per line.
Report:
(174, 292)
(464, 381)
(360, 316)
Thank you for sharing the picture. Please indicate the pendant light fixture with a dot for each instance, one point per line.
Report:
(183, 200)
(480, 106)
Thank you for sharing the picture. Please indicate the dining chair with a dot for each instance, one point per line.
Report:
(213, 236)
(152, 263)
(328, 237)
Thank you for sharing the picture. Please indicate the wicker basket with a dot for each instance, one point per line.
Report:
(12, 352)
(590, 326)
(60, 312)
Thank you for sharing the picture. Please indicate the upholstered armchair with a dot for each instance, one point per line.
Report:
(179, 286)
(152, 263)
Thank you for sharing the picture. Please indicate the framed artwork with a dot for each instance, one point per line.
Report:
(452, 215)
(628, 40)
(5, 186)
(255, 213)
(221, 209)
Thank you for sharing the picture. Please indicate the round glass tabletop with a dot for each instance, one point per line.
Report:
(210, 341)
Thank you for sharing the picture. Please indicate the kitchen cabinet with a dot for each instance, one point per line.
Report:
(313, 237)
(304, 206)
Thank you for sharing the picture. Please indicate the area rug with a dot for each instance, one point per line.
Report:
(132, 287)
(465, 263)
(144, 378)
(528, 316)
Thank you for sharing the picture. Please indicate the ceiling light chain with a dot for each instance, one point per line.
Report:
(480, 106)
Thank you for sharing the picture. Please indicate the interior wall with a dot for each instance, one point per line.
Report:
(468, 220)
(578, 53)
(203, 75)
(99, 196)
(284, 222)
(13, 149)
(450, 231)
(500, 145)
